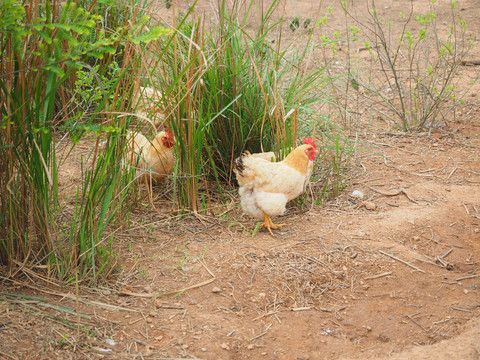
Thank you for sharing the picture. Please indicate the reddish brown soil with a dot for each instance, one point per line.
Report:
(400, 281)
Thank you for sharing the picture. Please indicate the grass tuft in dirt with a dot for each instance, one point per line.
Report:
(225, 90)
(44, 51)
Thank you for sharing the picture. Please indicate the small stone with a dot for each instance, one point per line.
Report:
(149, 320)
(416, 238)
(203, 349)
(148, 289)
(261, 295)
(111, 342)
(216, 290)
(152, 313)
(148, 351)
(370, 205)
(250, 347)
(357, 194)
(157, 303)
(369, 328)
(225, 347)
(264, 353)
(465, 291)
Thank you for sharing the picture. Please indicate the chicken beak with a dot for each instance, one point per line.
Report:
(317, 151)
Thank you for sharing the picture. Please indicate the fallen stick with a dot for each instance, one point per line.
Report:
(129, 293)
(468, 277)
(300, 308)
(203, 283)
(261, 334)
(417, 323)
(446, 254)
(428, 262)
(402, 261)
(398, 192)
(267, 314)
(379, 275)
(451, 173)
(460, 309)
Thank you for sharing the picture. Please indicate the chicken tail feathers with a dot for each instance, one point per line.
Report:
(238, 165)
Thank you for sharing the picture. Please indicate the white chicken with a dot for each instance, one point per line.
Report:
(266, 187)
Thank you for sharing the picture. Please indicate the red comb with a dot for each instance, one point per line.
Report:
(168, 140)
(309, 141)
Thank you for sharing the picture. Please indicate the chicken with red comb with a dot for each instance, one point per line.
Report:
(154, 159)
(266, 187)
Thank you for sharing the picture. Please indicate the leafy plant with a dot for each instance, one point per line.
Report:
(418, 70)
(41, 53)
(38, 57)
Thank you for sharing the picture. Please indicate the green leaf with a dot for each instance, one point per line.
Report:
(55, 69)
(153, 34)
(46, 37)
(96, 54)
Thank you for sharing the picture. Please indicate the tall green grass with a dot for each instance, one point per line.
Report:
(226, 89)
(44, 47)
(73, 71)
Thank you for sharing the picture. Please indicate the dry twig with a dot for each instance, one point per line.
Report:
(417, 323)
(261, 334)
(395, 193)
(203, 283)
(402, 261)
(468, 277)
(379, 275)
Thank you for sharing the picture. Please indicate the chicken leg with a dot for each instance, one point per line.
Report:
(268, 223)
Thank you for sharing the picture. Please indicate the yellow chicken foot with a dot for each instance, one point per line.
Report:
(268, 223)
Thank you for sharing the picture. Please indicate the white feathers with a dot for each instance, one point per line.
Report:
(266, 187)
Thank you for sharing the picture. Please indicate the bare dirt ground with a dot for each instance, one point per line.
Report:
(399, 281)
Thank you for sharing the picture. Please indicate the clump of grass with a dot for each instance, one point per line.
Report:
(42, 51)
(226, 90)
(223, 90)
